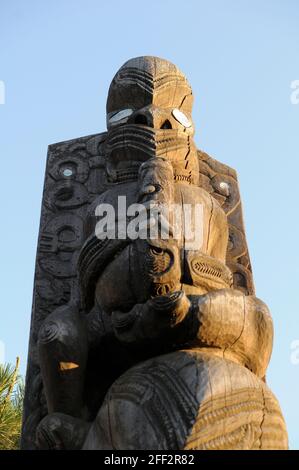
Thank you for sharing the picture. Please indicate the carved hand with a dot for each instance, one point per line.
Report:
(149, 321)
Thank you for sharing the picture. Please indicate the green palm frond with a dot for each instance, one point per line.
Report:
(11, 401)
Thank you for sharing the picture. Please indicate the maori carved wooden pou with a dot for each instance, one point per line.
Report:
(145, 342)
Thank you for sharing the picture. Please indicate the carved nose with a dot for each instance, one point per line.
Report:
(151, 118)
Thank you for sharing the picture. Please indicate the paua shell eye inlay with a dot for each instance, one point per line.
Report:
(116, 117)
(224, 187)
(67, 172)
(181, 118)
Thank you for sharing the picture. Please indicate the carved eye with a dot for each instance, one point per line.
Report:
(119, 116)
(224, 188)
(181, 118)
(67, 172)
(156, 250)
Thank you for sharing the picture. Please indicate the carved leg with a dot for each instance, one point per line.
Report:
(62, 347)
(239, 326)
(188, 400)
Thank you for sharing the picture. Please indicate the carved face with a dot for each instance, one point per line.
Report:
(149, 115)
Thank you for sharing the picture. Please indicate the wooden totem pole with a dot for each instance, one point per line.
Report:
(142, 337)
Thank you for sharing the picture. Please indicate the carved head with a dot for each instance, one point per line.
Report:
(149, 109)
(150, 91)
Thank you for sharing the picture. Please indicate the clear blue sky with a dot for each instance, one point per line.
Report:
(57, 59)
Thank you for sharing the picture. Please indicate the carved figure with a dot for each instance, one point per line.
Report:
(146, 342)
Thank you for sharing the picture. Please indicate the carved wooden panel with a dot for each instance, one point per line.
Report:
(221, 181)
(74, 175)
